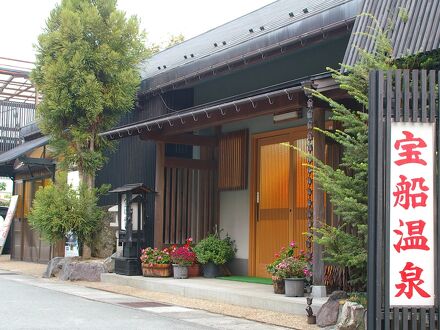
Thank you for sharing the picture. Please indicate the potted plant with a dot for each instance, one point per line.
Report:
(294, 270)
(194, 269)
(213, 251)
(155, 262)
(182, 257)
(277, 278)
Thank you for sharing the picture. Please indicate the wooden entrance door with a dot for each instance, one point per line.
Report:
(280, 195)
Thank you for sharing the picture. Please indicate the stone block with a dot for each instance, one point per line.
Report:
(352, 317)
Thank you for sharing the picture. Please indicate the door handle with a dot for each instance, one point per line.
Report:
(258, 206)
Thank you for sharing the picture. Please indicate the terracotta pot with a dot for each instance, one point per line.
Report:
(156, 270)
(278, 285)
(194, 270)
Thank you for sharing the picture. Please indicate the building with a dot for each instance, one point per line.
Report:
(24, 158)
(221, 111)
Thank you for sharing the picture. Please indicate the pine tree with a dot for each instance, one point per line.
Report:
(87, 70)
(347, 186)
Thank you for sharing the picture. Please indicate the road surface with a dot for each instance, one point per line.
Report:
(31, 303)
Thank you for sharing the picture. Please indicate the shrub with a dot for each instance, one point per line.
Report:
(59, 209)
(214, 249)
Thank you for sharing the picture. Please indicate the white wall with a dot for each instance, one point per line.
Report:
(234, 205)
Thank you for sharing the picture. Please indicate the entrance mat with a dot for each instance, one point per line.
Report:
(248, 279)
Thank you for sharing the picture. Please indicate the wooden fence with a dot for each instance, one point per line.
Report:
(190, 200)
(410, 97)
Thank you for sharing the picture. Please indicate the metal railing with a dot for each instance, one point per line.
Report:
(13, 116)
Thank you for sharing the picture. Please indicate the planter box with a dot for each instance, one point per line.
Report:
(156, 270)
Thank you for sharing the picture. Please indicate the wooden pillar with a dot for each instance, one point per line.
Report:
(159, 199)
(318, 196)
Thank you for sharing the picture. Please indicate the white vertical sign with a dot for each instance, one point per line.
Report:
(5, 224)
(412, 214)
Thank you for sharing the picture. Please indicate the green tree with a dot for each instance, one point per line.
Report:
(175, 40)
(347, 186)
(2, 186)
(87, 70)
(58, 209)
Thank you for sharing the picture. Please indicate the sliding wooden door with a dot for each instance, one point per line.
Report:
(279, 196)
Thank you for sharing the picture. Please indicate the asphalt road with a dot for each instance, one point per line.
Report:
(31, 303)
(29, 307)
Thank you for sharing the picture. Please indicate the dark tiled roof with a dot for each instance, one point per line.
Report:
(20, 150)
(269, 25)
(416, 27)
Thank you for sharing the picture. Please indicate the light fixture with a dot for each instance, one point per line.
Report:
(287, 116)
(262, 28)
(305, 10)
(251, 30)
(291, 14)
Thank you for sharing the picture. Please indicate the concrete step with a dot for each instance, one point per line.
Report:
(252, 295)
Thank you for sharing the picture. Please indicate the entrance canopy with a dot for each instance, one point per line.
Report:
(15, 85)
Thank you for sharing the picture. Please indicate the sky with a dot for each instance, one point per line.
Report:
(23, 20)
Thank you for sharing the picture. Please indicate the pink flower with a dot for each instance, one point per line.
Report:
(276, 255)
(292, 244)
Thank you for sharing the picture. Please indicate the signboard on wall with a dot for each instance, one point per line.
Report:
(71, 248)
(411, 221)
(5, 224)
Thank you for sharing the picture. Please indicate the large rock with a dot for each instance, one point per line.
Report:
(52, 267)
(83, 271)
(328, 314)
(55, 265)
(352, 317)
(109, 263)
(338, 295)
(104, 241)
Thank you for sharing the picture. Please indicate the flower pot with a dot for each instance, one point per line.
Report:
(156, 270)
(294, 287)
(278, 285)
(194, 270)
(211, 270)
(180, 271)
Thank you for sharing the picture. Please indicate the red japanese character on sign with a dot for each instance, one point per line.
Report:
(409, 154)
(410, 276)
(403, 194)
(415, 239)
